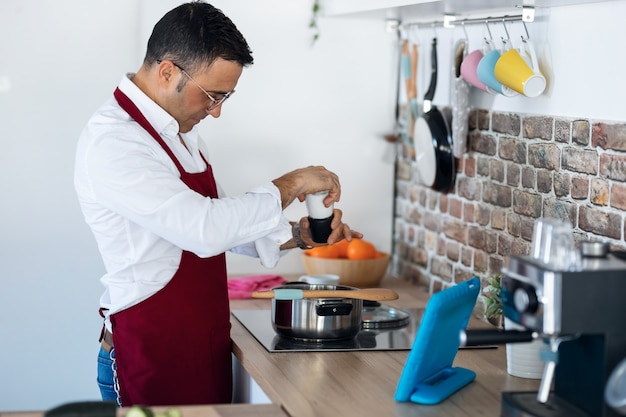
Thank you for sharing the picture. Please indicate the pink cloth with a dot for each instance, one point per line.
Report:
(243, 287)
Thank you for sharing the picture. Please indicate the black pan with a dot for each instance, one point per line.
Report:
(433, 141)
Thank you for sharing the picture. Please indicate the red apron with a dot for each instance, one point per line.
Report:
(174, 348)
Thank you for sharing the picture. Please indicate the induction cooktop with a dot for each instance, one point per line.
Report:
(400, 337)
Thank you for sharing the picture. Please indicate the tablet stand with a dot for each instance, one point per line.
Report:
(428, 376)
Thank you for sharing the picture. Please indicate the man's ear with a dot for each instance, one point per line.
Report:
(165, 72)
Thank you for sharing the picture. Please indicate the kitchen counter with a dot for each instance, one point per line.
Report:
(348, 383)
(317, 384)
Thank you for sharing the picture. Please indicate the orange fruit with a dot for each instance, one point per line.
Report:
(329, 252)
(342, 248)
(360, 249)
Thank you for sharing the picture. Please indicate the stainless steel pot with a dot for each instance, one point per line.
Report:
(317, 319)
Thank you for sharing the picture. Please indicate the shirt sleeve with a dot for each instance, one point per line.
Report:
(142, 184)
(267, 248)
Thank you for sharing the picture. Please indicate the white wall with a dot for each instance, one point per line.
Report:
(60, 59)
(298, 105)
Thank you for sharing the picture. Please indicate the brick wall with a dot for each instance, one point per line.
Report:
(518, 168)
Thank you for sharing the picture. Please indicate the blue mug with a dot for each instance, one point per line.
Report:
(485, 70)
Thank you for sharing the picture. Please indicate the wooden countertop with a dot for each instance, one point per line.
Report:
(317, 384)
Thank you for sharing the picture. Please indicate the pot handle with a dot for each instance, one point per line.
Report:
(479, 337)
(375, 294)
(430, 93)
(333, 309)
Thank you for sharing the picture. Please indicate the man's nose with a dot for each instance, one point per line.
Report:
(215, 112)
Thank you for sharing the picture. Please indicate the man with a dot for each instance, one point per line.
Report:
(161, 223)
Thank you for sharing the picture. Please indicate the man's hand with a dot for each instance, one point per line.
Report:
(309, 180)
(339, 232)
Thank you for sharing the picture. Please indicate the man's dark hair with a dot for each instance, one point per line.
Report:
(193, 35)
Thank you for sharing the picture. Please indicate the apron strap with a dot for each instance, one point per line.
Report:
(134, 112)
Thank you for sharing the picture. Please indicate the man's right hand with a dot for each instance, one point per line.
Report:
(309, 180)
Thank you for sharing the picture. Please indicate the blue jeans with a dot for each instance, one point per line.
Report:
(106, 376)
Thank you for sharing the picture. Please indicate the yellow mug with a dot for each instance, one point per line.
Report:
(520, 71)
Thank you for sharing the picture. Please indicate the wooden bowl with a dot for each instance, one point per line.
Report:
(355, 273)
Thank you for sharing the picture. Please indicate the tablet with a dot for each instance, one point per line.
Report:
(428, 376)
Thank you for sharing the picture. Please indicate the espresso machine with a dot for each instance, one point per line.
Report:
(581, 315)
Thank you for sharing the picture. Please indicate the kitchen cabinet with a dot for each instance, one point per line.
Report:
(425, 10)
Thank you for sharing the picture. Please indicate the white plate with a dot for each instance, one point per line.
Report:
(425, 157)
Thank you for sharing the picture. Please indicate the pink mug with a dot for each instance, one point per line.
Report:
(468, 69)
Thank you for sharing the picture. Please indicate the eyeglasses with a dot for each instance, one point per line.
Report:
(214, 101)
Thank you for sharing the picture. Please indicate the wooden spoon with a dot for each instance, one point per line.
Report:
(370, 294)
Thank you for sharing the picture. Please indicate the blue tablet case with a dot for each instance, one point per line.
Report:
(428, 376)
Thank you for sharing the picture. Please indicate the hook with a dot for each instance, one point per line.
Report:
(525, 30)
(402, 31)
(505, 42)
(402, 35)
(464, 30)
(505, 29)
(414, 35)
(488, 30)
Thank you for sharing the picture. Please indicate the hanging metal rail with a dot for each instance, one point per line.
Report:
(450, 21)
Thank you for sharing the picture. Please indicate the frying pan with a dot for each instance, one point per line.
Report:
(433, 143)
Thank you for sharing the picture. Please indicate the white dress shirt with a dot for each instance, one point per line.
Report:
(143, 216)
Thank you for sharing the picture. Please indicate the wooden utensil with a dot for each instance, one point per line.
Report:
(409, 55)
(406, 70)
(413, 106)
(370, 294)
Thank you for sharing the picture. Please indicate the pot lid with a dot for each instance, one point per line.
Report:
(383, 317)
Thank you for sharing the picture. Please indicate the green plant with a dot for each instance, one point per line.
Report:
(313, 23)
(491, 298)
